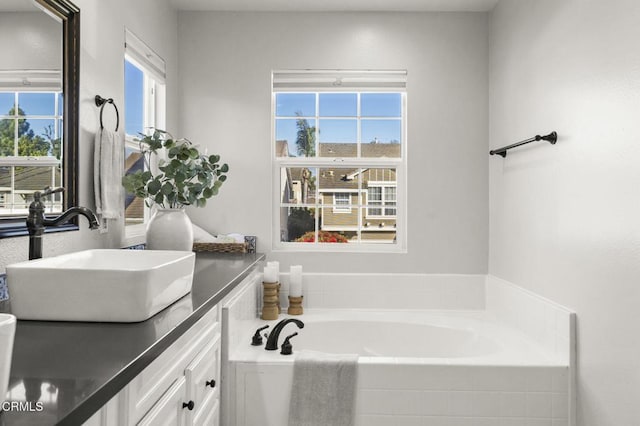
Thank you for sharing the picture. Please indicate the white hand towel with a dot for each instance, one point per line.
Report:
(324, 389)
(108, 168)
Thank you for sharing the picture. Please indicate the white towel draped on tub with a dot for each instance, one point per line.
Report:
(108, 168)
(324, 389)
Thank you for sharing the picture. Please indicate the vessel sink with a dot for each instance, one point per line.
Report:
(99, 285)
(7, 332)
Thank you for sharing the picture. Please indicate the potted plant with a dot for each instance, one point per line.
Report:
(180, 176)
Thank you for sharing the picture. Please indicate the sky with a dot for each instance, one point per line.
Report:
(134, 98)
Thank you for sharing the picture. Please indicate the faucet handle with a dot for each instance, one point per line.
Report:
(286, 347)
(257, 338)
(48, 190)
(45, 192)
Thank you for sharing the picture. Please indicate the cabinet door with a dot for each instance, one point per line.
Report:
(203, 380)
(170, 409)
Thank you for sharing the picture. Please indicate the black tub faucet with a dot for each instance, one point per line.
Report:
(36, 222)
(272, 341)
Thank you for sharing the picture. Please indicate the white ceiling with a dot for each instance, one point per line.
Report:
(337, 5)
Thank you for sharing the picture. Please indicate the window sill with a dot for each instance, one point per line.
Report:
(134, 235)
(340, 248)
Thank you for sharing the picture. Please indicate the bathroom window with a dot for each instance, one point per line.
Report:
(339, 155)
(144, 110)
(30, 148)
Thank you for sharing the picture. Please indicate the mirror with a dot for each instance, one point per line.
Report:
(39, 86)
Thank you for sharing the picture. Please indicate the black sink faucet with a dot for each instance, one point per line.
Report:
(36, 222)
(272, 341)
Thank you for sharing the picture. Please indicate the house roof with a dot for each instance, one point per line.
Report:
(135, 209)
(28, 178)
(347, 178)
(391, 150)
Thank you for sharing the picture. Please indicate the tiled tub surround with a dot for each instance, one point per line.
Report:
(527, 380)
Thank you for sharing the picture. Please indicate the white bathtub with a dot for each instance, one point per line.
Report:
(428, 335)
(415, 367)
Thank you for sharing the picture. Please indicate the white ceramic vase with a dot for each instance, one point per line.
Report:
(170, 229)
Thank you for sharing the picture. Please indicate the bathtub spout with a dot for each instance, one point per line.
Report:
(272, 341)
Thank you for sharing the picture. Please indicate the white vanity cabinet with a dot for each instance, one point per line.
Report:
(179, 388)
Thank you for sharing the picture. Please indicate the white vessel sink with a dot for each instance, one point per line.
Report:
(99, 285)
(7, 331)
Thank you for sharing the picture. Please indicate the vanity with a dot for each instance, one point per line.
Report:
(162, 371)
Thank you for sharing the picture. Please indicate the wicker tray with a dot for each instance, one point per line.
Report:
(221, 247)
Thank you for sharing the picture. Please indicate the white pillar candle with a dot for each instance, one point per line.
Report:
(269, 274)
(276, 265)
(295, 281)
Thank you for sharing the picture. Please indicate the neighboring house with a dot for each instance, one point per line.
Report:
(133, 206)
(338, 188)
(339, 194)
(27, 180)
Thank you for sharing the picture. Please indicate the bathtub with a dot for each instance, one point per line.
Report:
(415, 368)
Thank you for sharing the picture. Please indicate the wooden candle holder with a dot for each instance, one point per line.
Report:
(295, 305)
(270, 301)
(278, 295)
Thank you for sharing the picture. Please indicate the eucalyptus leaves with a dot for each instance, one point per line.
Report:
(185, 178)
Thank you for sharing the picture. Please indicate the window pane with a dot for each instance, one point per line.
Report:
(31, 179)
(7, 137)
(381, 132)
(37, 103)
(297, 224)
(5, 189)
(298, 185)
(133, 99)
(374, 194)
(36, 137)
(338, 104)
(381, 105)
(6, 103)
(133, 206)
(335, 180)
(338, 130)
(295, 137)
(295, 104)
(60, 104)
(377, 230)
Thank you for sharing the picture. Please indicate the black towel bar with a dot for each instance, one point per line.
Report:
(100, 101)
(552, 138)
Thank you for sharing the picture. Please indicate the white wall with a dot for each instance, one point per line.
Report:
(102, 72)
(565, 220)
(225, 104)
(31, 40)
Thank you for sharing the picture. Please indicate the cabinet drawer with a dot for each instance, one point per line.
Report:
(169, 410)
(153, 382)
(209, 415)
(203, 379)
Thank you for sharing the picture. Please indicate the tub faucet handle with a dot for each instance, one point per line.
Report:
(257, 338)
(286, 347)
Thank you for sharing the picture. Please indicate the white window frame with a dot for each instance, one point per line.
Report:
(154, 113)
(362, 85)
(383, 206)
(339, 206)
(33, 81)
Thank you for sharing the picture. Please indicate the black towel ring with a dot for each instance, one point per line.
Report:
(100, 101)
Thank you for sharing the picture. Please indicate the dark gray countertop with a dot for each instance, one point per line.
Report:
(74, 368)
